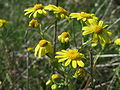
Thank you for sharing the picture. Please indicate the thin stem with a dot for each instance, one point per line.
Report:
(91, 68)
(27, 70)
(41, 31)
(74, 37)
(27, 59)
(55, 32)
(81, 32)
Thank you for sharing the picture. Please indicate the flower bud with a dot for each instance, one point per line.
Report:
(54, 87)
(48, 82)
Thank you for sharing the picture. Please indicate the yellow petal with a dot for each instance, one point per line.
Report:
(36, 50)
(105, 26)
(86, 28)
(1, 24)
(60, 53)
(59, 56)
(62, 60)
(64, 51)
(87, 32)
(84, 19)
(80, 63)
(95, 38)
(39, 53)
(74, 15)
(94, 44)
(67, 62)
(102, 41)
(100, 23)
(109, 33)
(28, 12)
(31, 14)
(92, 21)
(44, 12)
(29, 9)
(74, 64)
(35, 14)
(62, 16)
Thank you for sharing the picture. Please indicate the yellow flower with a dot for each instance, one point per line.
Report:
(48, 82)
(80, 73)
(99, 32)
(3, 22)
(71, 56)
(54, 87)
(33, 23)
(83, 16)
(55, 76)
(43, 48)
(59, 11)
(64, 37)
(117, 41)
(36, 11)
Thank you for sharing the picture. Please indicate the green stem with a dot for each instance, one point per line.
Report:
(74, 37)
(91, 68)
(41, 31)
(55, 32)
(81, 31)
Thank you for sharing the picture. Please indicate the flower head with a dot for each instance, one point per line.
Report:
(54, 87)
(117, 41)
(80, 73)
(55, 76)
(98, 30)
(71, 56)
(59, 11)
(33, 23)
(43, 48)
(36, 11)
(3, 22)
(64, 37)
(83, 16)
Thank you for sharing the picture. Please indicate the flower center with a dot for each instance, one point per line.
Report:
(43, 43)
(85, 15)
(97, 29)
(61, 10)
(73, 55)
(38, 6)
(65, 35)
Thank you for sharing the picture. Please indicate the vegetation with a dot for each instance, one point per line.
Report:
(59, 44)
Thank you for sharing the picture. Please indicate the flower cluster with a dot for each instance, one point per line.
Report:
(39, 10)
(54, 81)
(67, 57)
